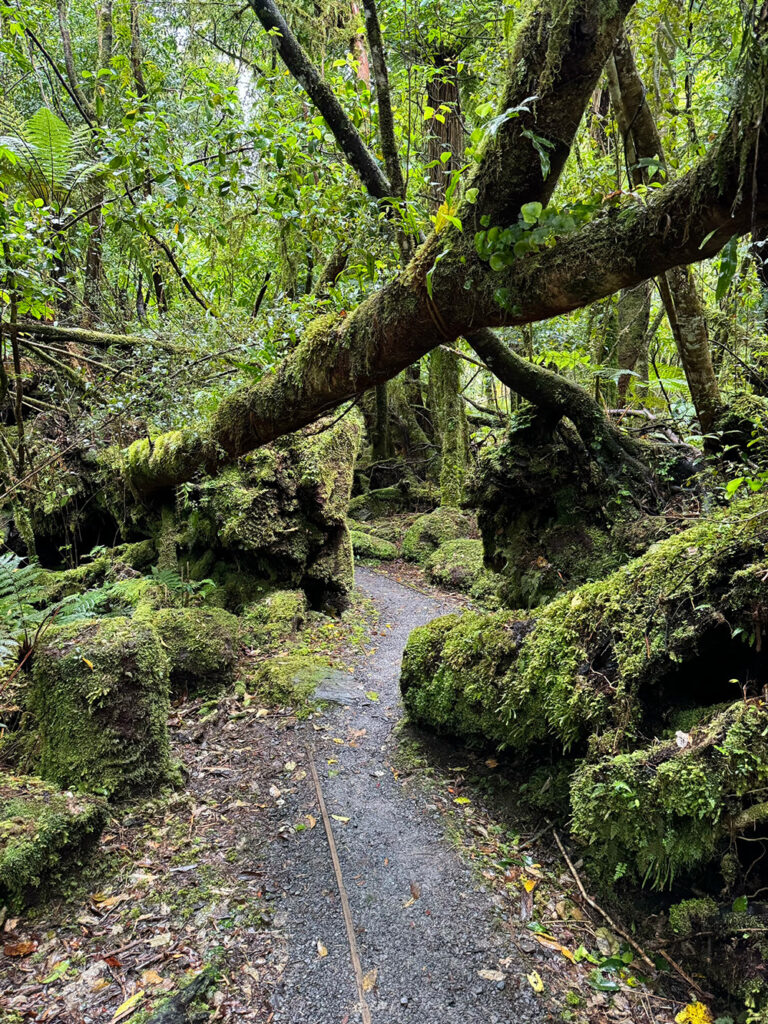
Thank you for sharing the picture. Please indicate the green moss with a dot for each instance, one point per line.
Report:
(201, 645)
(271, 620)
(43, 831)
(100, 697)
(434, 529)
(459, 565)
(659, 811)
(453, 674)
(598, 671)
(691, 915)
(367, 546)
(290, 680)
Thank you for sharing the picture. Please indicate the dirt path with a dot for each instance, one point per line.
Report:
(424, 927)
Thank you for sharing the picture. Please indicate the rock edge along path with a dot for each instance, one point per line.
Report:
(424, 926)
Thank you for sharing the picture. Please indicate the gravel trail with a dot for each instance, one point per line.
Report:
(424, 926)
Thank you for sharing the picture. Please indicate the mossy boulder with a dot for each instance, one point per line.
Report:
(459, 565)
(289, 680)
(100, 701)
(43, 832)
(201, 645)
(599, 671)
(366, 545)
(273, 619)
(434, 529)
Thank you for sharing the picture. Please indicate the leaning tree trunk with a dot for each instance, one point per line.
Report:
(683, 303)
(445, 151)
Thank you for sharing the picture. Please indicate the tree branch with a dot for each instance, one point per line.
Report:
(306, 74)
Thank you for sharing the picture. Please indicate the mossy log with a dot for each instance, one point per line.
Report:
(43, 832)
(559, 57)
(599, 671)
(100, 700)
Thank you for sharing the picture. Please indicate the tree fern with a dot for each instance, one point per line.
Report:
(44, 153)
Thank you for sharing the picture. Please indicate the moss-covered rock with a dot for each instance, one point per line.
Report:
(100, 701)
(274, 618)
(201, 645)
(43, 832)
(366, 545)
(459, 565)
(434, 529)
(289, 680)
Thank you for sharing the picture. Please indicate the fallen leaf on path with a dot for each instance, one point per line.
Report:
(290, 766)
(337, 739)
(415, 890)
(274, 792)
(372, 695)
(370, 979)
(462, 800)
(321, 949)
(529, 884)
(163, 939)
(490, 975)
(492, 762)
(311, 820)
(262, 713)
(19, 948)
(59, 970)
(88, 663)
(534, 980)
(105, 902)
(340, 817)
(409, 903)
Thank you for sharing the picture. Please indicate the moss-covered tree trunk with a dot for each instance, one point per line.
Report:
(445, 152)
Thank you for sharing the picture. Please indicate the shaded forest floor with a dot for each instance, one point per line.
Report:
(462, 910)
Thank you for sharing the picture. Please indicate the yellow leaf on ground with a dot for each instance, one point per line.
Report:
(312, 820)
(694, 1013)
(340, 817)
(321, 949)
(88, 663)
(551, 943)
(370, 979)
(126, 1008)
(529, 884)
(151, 977)
(534, 980)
